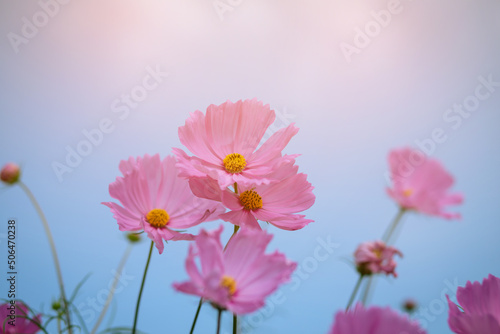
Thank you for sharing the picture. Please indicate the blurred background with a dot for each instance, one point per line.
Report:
(359, 78)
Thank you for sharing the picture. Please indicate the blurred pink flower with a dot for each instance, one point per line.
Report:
(481, 308)
(154, 199)
(376, 257)
(276, 203)
(225, 141)
(10, 173)
(374, 320)
(18, 313)
(239, 278)
(421, 183)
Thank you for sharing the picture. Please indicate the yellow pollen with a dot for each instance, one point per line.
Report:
(234, 163)
(229, 283)
(158, 217)
(251, 200)
(408, 192)
(378, 253)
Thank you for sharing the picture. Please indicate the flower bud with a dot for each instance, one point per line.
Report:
(133, 237)
(409, 306)
(10, 173)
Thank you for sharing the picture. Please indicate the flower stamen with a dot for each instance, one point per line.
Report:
(234, 163)
(229, 283)
(251, 200)
(158, 218)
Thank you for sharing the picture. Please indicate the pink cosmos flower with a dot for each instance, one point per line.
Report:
(481, 308)
(375, 258)
(421, 183)
(276, 203)
(10, 173)
(154, 199)
(374, 320)
(239, 278)
(225, 142)
(18, 313)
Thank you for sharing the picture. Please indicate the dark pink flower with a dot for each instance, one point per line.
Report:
(239, 278)
(154, 199)
(480, 304)
(16, 319)
(374, 320)
(10, 173)
(421, 183)
(225, 144)
(277, 203)
(376, 257)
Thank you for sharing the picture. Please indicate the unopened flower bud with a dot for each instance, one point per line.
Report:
(56, 306)
(10, 173)
(133, 237)
(409, 306)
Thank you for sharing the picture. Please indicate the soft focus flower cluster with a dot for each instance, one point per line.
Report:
(235, 176)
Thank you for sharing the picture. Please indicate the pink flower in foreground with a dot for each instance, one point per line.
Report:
(481, 308)
(14, 319)
(10, 173)
(376, 257)
(374, 320)
(421, 183)
(225, 140)
(154, 199)
(239, 278)
(276, 203)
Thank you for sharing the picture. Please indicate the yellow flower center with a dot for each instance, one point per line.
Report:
(251, 200)
(378, 253)
(234, 163)
(158, 217)
(407, 192)
(229, 283)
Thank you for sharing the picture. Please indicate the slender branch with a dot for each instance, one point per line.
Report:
(38, 209)
(113, 288)
(142, 287)
(390, 230)
(354, 292)
(235, 323)
(219, 320)
(196, 316)
(386, 238)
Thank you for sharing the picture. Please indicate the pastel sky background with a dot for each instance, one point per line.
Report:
(392, 93)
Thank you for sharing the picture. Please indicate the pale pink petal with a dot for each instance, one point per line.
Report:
(205, 188)
(127, 220)
(241, 218)
(273, 146)
(194, 136)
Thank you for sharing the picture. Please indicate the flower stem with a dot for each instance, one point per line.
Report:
(113, 288)
(390, 230)
(52, 249)
(235, 323)
(142, 287)
(218, 321)
(196, 316)
(354, 292)
(386, 238)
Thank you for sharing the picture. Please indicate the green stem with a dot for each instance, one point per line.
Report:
(219, 321)
(386, 238)
(113, 288)
(52, 249)
(235, 323)
(196, 316)
(354, 292)
(142, 287)
(390, 230)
